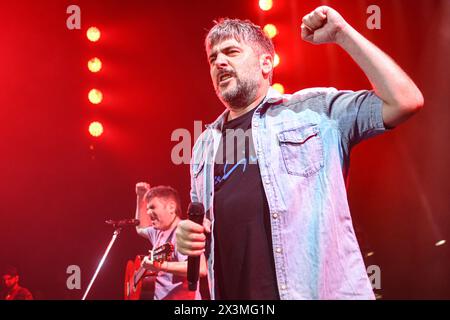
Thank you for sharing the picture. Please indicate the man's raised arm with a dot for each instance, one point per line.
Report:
(401, 97)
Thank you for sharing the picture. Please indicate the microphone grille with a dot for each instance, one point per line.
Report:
(196, 209)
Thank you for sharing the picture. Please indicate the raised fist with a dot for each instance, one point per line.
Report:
(142, 188)
(322, 25)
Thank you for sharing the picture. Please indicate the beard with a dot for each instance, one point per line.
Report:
(241, 95)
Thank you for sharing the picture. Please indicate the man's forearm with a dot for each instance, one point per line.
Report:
(400, 95)
(178, 268)
(141, 214)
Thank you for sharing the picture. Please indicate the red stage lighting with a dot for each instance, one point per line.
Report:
(265, 5)
(440, 243)
(93, 34)
(270, 30)
(279, 87)
(95, 96)
(96, 129)
(276, 60)
(95, 65)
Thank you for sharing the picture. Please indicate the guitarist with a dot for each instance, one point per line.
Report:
(159, 212)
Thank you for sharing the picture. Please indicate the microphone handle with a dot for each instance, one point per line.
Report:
(194, 262)
(193, 274)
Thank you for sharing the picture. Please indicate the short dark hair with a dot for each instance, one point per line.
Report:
(241, 30)
(165, 192)
(10, 271)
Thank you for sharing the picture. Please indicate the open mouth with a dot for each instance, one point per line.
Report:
(224, 78)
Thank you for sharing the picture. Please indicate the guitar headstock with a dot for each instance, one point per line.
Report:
(162, 253)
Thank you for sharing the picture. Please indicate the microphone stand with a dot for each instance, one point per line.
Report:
(113, 239)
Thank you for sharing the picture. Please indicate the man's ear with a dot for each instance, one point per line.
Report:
(266, 63)
(171, 205)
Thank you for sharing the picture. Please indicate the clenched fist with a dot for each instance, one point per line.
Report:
(323, 25)
(142, 188)
(191, 238)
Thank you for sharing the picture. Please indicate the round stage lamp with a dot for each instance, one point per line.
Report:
(96, 129)
(279, 87)
(265, 5)
(276, 60)
(95, 65)
(93, 34)
(270, 30)
(95, 96)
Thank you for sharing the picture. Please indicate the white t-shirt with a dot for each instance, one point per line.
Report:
(168, 285)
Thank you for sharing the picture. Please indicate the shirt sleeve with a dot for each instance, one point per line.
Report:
(358, 114)
(150, 234)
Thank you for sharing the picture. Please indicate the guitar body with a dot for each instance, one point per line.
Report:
(140, 283)
(142, 288)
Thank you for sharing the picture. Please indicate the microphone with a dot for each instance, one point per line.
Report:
(196, 212)
(123, 223)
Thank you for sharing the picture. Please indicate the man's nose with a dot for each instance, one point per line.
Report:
(221, 61)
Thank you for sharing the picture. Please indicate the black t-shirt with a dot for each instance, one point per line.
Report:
(243, 256)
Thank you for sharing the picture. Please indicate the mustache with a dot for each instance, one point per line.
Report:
(225, 71)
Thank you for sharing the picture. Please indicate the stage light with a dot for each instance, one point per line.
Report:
(93, 34)
(279, 87)
(276, 60)
(265, 5)
(95, 65)
(270, 30)
(96, 129)
(95, 96)
(369, 254)
(440, 243)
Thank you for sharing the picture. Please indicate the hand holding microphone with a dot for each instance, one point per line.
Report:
(191, 238)
(190, 235)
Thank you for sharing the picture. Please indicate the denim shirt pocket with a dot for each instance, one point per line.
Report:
(302, 150)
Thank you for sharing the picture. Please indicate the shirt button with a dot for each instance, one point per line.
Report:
(267, 181)
(256, 124)
(283, 287)
(275, 216)
(278, 250)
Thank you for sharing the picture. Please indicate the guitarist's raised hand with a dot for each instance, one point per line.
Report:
(141, 189)
(141, 210)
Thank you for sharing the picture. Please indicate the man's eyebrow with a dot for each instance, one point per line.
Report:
(231, 46)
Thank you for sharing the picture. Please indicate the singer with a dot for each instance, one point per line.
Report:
(276, 198)
(159, 211)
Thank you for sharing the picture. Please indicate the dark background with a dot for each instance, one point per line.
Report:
(58, 184)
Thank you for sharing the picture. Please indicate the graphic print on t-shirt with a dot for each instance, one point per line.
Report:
(242, 231)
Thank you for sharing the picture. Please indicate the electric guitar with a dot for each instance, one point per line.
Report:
(139, 282)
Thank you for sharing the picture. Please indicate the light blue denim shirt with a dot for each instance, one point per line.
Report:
(303, 144)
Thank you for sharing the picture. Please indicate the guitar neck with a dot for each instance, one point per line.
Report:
(139, 275)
